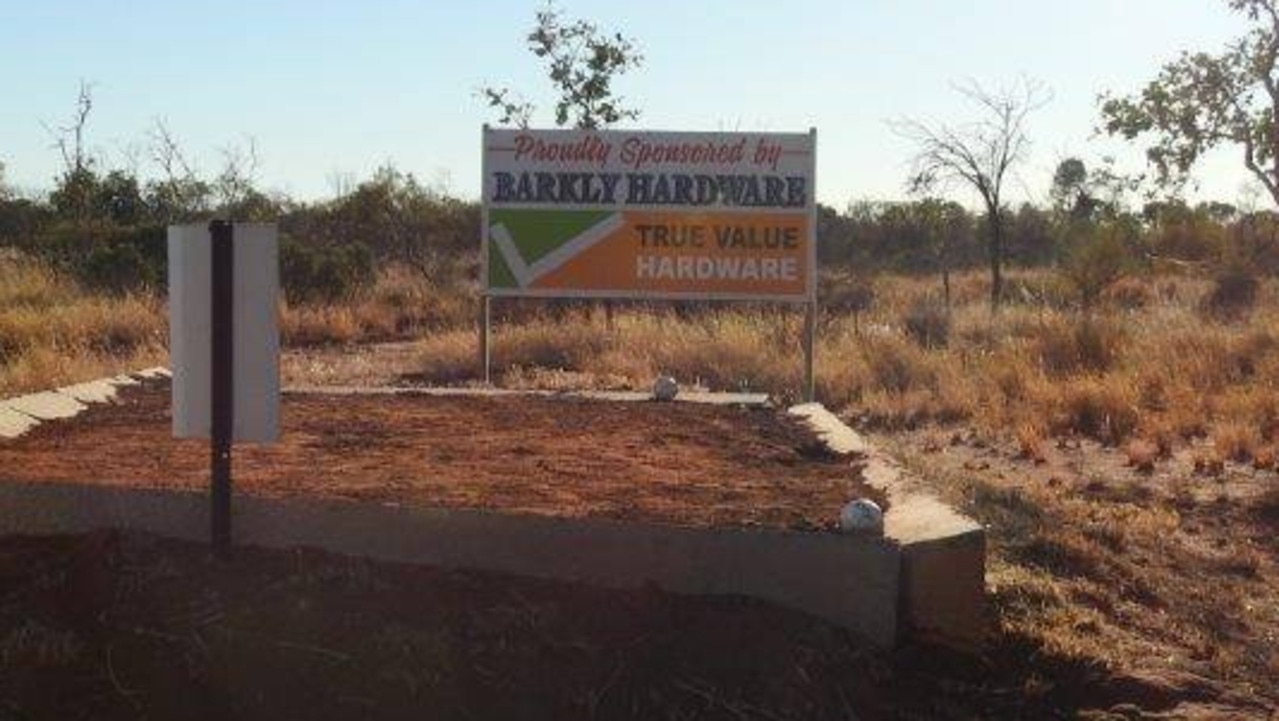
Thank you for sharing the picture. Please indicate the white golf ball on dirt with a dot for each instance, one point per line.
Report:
(665, 388)
(861, 516)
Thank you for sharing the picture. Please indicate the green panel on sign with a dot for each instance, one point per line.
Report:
(499, 273)
(538, 232)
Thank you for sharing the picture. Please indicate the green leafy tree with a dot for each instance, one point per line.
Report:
(978, 155)
(581, 61)
(1205, 100)
(1071, 195)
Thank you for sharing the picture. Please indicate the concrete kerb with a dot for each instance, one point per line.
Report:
(943, 576)
(925, 577)
(14, 423)
(851, 582)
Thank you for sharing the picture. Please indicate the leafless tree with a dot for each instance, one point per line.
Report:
(167, 154)
(69, 139)
(234, 183)
(978, 154)
(73, 196)
(341, 182)
(183, 192)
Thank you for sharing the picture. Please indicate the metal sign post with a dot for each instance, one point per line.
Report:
(810, 340)
(810, 314)
(222, 381)
(224, 347)
(486, 339)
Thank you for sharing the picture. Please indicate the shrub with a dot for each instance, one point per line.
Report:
(116, 268)
(109, 258)
(851, 296)
(1099, 261)
(1233, 295)
(928, 323)
(897, 367)
(313, 272)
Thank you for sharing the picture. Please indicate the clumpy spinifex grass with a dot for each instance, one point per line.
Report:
(1147, 364)
(53, 333)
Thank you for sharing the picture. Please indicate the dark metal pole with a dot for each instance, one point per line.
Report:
(221, 371)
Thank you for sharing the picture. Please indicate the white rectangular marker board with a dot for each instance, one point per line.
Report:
(256, 374)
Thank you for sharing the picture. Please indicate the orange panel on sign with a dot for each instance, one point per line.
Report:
(733, 253)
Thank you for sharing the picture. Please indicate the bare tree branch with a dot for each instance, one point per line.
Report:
(978, 154)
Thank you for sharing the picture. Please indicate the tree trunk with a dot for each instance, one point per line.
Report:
(996, 259)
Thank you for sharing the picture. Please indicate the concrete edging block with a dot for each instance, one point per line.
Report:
(22, 413)
(46, 405)
(943, 574)
(14, 423)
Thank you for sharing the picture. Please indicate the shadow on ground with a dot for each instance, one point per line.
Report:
(121, 626)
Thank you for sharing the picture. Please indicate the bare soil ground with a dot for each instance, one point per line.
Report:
(681, 463)
(111, 626)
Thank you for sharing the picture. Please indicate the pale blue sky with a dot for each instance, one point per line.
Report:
(330, 88)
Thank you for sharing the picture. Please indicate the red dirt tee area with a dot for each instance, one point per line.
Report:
(679, 463)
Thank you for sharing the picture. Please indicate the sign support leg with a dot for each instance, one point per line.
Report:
(221, 373)
(486, 339)
(810, 342)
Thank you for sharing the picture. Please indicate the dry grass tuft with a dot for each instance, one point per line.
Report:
(53, 333)
(400, 306)
(1105, 411)
(1030, 443)
(1142, 455)
(1236, 441)
(1209, 462)
(1071, 346)
(1128, 293)
(1264, 458)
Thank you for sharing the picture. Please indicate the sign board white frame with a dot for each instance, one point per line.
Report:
(595, 171)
